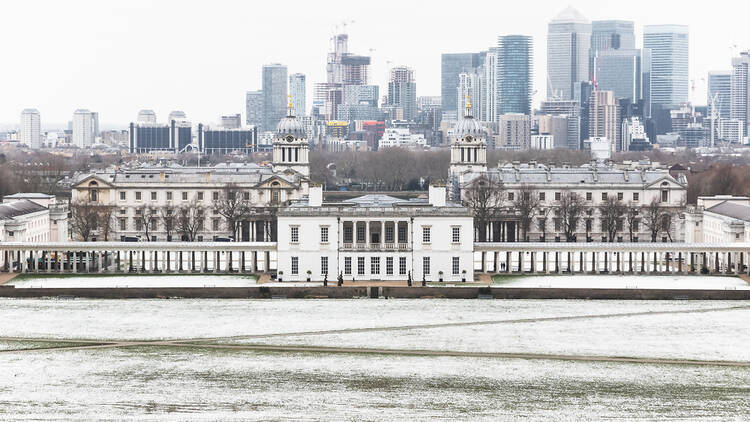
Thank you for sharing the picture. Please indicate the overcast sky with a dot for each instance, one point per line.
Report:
(117, 57)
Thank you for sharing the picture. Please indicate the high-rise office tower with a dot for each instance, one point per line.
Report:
(451, 65)
(621, 71)
(31, 128)
(669, 63)
(177, 115)
(719, 93)
(83, 128)
(342, 69)
(297, 89)
(471, 89)
(568, 41)
(604, 118)
(572, 111)
(402, 91)
(274, 94)
(146, 116)
(740, 89)
(231, 121)
(514, 74)
(490, 85)
(612, 35)
(95, 123)
(254, 109)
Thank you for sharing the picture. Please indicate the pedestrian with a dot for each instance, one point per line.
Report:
(340, 280)
(408, 279)
(325, 280)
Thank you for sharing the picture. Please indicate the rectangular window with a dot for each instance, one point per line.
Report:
(425, 234)
(347, 265)
(558, 195)
(295, 265)
(153, 224)
(389, 265)
(215, 224)
(636, 226)
(636, 196)
(456, 234)
(138, 224)
(348, 238)
(122, 196)
(324, 234)
(294, 230)
(388, 234)
(360, 265)
(426, 265)
(588, 196)
(246, 196)
(542, 196)
(619, 196)
(184, 196)
(123, 224)
(324, 265)
(402, 233)
(511, 196)
(456, 265)
(169, 196)
(215, 196)
(604, 196)
(375, 265)
(153, 196)
(402, 265)
(361, 233)
(665, 196)
(137, 196)
(200, 196)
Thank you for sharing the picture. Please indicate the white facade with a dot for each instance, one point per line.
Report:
(30, 130)
(376, 237)
(542, 142)
(732, 131)
(718, 219)
(83, 128)
(632, 130)
(146, 116)
(401, 138)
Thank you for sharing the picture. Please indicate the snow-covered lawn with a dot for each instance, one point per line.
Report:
(624, 282)
(136, 281)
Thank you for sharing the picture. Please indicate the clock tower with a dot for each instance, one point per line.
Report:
(468, 150)
(290, 146)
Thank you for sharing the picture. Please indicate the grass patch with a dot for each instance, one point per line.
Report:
(36, 276)
(505, 278)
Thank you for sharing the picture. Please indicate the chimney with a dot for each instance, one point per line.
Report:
(208, 177)
(162, 176)
(626, 175)
(315, 196)
(437, 195)
(549, 174)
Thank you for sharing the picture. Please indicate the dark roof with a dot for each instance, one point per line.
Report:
(23, 207)
(731, 209)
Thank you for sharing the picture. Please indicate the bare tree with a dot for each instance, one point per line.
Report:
(84, 219)
(190, 220)
(611, 212)
(484, 196)
(525, 204)
(632, 214)
(149, 218)
(106, 221)
(233, 206)
(541, 223)
(167, 217)
(569, 211)
(652, 218)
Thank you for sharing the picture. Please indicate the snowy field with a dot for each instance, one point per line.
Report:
(208, 365)
(625, 282)
(135, 281)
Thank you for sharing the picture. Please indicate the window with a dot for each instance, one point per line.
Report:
(200, 196)
(215, 224)
(153, 196)
(664, 196)
(456, 265)
(246, 196)
(122, 196)
(511, 196)
(348, 238)
(456, 234)
(558, 195)
(389, 234)
(361, 265)
(94, 195)
(324, 234)
(375, 265)
(295, 265)
(589, 195)
(123, 211)
(169, 196)
(347, 265)
(361, 232)
(425, 234)
(294, 231)
(636, 226)
(402, 233)
(604, 196)
(275, 196)
(389, 265)
(324, 265)
(123, 224)
(588, 225)
(402, 265)
(153, 224)
(139, 224)
(184, 196)
(215, 196)
(619, 196)
(426, 265)
(137, 196)
(542, 196)
(636, 196)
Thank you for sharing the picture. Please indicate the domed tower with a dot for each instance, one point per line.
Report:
(290, 148)
(468, 149)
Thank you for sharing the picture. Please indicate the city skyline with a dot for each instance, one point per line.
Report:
(65, 80)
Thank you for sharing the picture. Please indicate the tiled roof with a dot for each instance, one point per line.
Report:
(731, 209)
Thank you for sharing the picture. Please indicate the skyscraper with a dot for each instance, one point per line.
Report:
(619, 71)
(254, 109)
(572, 111)
(740, 89)
(274, 94)
(669, 63)
(490, 85)
(719, 92)
(514, 74)
(612, 35)
(451, 65)
(470, 88)
(83, 128)
(297, 89)
(402, 91)
(30, 130)
(604, 118)
(146, 116)
(342, 69)
(568, 41)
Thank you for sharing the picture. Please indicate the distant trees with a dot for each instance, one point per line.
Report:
(147, 219)
(234, 206)
(190, 221)
(484, 196)
(569, 210)
(611, 212)
(90, 219)
(658, 219)
(525, 205)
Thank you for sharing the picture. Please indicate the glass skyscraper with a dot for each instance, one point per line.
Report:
(719, 85)
(514, 74)
(452, 65)
(568, 42)
(274, 95)
(669, 63)
(297, 89)
(612, 35)
(626, 72)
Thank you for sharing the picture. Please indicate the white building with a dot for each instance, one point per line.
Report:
(633, 133)
(83, 128)
(146, 116)
(601, 148)
(30, 130)
(401, 138)
(33, 217)
(376, 237)
(542, 142)
(732, 131)
(718, 219)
